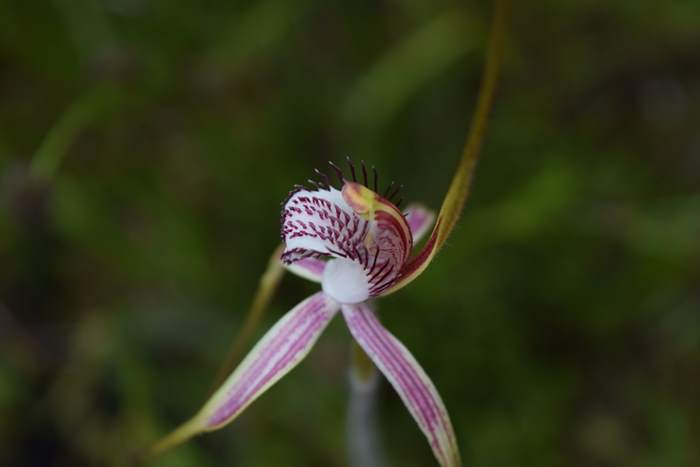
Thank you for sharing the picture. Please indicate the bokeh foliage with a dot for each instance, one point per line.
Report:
(145, 147)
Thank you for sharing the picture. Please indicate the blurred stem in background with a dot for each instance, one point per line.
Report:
(89, 26)
(93, 104)
(420, 58)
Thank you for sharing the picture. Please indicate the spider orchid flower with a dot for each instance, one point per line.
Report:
(358, 245)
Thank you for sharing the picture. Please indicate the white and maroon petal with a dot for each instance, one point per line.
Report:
(408, 379)
(417, 264)
(389, 229)
(389, 239)
(279, 350)
(320, 222)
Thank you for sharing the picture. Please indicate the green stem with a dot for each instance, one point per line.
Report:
(457, 193)
(176, 437)
(53, 149)
(459, 187)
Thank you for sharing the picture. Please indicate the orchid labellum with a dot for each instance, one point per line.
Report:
(358, 245)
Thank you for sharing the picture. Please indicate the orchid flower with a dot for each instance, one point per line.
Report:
(357, 244)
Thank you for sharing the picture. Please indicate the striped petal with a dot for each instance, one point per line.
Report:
(309, 268)
(408, 379)
(280, 350)
(419, 220)
(320, 222)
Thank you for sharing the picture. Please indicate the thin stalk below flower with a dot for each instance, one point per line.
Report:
(363, 440)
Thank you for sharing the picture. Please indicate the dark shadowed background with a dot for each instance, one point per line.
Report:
(145, 147)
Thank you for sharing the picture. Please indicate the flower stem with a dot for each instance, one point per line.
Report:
(457, 193)
(364, 447)
(55, 145)
(176, 437)
(459, 187)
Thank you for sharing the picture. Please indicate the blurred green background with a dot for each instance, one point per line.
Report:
(145, 147)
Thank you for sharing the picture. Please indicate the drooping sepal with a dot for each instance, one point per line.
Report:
(279, 350)
(408, 379)
(277, 353)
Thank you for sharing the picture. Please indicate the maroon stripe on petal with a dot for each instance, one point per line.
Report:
(271, 349)
(320, 222)
(382, 351)
(277, 353)
(262, 376)
(408, 378)
(414, 263)
(380, 345)
(428, 408)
